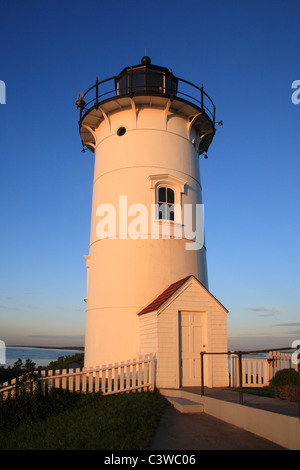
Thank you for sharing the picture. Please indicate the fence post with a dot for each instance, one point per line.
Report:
(151, 372)
(83, 380)
(133, 383)
(49, 384)
(77, 380)
(128, 374)
(71, 380)
(116, 376)
(103, 379)
(57, 381)
(91, 380)
(122, 376)
(64, 379)
(97, 381)
(240, 377)
(43, 383)
(109, 378)
(232, 370)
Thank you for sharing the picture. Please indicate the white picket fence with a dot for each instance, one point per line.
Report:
(135, 374)
(258, 371)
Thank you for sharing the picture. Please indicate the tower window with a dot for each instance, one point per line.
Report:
(165, 202)
(166, 196)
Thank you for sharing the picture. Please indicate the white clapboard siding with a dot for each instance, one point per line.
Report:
(159, 333)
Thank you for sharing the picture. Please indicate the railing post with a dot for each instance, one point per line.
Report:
(202, 372)
(298, 357)
(97, 86)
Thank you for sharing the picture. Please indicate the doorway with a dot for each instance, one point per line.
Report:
(191, 336)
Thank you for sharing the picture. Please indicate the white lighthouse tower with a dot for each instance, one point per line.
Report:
(147, 286)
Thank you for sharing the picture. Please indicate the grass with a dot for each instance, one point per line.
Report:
(262, 391)
(93, 422)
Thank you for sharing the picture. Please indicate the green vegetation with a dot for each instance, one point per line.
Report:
(284, 377)
(284, 385)
(63, 362)
(18, 368)
(263, 391)
(66, 421)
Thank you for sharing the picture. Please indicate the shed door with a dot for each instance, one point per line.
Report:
(190, 345)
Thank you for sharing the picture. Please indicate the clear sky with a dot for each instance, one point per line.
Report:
(246, 53)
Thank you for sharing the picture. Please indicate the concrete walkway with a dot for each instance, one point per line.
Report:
(200, 431)
(178, 431)
(255, 401)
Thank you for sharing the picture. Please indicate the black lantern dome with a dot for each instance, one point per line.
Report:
(146, 84)
(146, 78)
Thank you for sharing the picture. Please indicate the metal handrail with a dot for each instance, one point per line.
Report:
(98, 96)
(244, 353)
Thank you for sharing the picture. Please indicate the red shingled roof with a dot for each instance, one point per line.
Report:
(156, 303)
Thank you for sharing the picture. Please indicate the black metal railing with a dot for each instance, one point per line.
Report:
(240, 355)
(164, 84)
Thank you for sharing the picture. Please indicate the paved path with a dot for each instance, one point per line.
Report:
(178, 431)
(254, 401)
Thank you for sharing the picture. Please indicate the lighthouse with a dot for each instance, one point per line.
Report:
(147, 282)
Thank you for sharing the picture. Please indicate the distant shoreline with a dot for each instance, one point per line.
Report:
(79, 348)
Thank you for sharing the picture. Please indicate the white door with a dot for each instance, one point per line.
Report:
(191, 344)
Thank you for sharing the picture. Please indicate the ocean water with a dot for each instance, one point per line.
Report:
(41, 356)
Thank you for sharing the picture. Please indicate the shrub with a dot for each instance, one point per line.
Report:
(288, 392)
(30, 408)
(285, 377)
(285, 385)
(63, 361)
(7, 374)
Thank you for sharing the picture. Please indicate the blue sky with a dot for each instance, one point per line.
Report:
(246, 55)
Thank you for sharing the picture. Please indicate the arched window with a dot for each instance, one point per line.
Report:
(165, 201)
(166, 197)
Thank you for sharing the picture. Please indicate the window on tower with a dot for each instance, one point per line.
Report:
(166, 200)
(166, 197)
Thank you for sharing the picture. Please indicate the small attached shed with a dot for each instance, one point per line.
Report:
(182, 321)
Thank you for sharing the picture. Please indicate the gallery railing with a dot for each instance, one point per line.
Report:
(159, 85)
